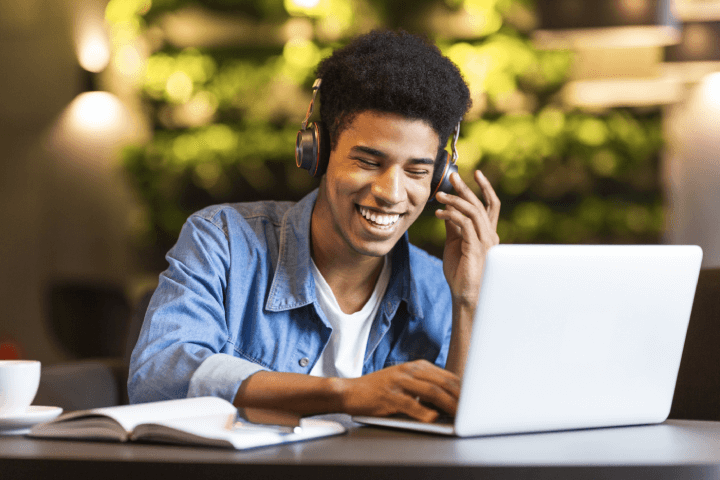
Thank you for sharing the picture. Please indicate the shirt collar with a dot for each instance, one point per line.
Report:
(293, 285)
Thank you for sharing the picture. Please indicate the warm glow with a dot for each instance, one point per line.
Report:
(96, 112)
(709, 96)
(326, 9)
(306, 3)
(94, 52)
(92, 44)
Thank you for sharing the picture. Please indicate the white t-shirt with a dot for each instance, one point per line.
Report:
(344, 354)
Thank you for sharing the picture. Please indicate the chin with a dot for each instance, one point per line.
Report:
(373, 250)
(374, 247)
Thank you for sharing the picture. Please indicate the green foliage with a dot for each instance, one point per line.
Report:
(226, 118)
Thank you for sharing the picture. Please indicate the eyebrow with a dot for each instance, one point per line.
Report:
(378, 153)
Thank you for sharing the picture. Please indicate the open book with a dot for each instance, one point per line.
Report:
(207, 421)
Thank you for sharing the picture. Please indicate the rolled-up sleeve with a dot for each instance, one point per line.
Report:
(183, 345)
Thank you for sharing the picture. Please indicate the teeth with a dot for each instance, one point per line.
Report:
(379, 218)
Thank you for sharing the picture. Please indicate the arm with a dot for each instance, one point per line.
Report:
(471, 231)
(397, 389)
(182, 348)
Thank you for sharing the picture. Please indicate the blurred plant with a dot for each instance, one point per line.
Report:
(225, 117)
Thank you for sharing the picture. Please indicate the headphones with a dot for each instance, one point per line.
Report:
(312, 152)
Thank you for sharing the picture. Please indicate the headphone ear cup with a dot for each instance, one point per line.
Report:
(312, 150)
(306, 149)
(441, 175)
(323, 156)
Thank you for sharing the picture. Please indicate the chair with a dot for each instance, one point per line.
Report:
(89, 320)
(697, 392)
(95, 324)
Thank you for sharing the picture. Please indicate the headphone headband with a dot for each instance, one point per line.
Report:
(456, 134)
(315, 88)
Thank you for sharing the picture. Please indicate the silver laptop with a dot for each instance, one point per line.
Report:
(573, 336)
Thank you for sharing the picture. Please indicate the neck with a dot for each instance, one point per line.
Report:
(350, 275)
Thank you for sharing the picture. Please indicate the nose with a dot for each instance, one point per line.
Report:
(389, 188)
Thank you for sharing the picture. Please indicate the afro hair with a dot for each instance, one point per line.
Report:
(391, 72)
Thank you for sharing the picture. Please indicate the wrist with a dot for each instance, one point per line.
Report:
(336, 391)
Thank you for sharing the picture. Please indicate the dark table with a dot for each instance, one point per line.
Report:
(676, 449)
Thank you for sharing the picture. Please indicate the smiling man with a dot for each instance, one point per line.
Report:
(324, 306)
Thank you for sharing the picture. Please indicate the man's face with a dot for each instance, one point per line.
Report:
(378, 180)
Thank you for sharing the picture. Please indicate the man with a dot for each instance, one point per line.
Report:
(324, 306)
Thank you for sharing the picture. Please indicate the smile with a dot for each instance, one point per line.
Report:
(378, 219)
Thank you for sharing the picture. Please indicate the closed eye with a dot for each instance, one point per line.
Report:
(418, 173)
(365, 162)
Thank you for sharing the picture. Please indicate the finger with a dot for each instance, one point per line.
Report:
(412, 407)
(431, 373)
(484, 208)
(468, 195)
(491, 198)
(477, 214)
(431, 393)
(468, 228)
(464, 191)
(450, 227)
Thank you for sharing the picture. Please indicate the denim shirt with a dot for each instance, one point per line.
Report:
(238, 297)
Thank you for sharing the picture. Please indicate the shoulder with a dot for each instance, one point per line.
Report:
(231, 215)
(241, 228)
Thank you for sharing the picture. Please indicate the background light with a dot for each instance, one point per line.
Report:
(95, 112)
(306, 3)
(92, 43)
(93, 51)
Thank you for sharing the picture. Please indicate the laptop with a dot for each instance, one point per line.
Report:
(571, 337)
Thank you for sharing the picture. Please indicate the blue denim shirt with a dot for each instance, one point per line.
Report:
(239, 297)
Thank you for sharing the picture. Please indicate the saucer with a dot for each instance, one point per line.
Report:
(20, 423)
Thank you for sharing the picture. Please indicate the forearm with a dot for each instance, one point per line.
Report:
(462, 320)
(293, 392)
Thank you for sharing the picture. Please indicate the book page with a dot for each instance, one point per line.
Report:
(130, 416)
(116, 423)
(81, 424)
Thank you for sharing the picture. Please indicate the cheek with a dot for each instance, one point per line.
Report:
(420, 192)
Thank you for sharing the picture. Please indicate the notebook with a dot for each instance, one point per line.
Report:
(571, 337)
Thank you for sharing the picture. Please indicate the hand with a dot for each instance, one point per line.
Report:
(400, 389)
(471, 231)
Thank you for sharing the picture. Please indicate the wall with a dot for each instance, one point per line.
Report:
(63, 210)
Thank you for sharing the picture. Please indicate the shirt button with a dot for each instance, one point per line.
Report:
(304, 362)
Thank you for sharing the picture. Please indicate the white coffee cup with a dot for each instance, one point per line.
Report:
(19, 381)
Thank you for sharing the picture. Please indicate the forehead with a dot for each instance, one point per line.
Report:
(391, 133)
